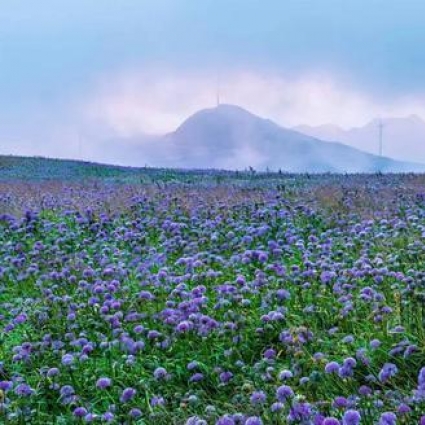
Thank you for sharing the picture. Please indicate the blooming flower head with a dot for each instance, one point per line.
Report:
(258, 397)
(388, 371)
(225, 377)
(54, 371)
(135, 413)
(160, 373)
(332, 367)
(388, 418)
(67, 359)
(225, 420)
(80, 412)
(284, 392)
(285, 374)
(23, 390)
(253, 420)
(103, 383)
(351, 417)
(331, 421)
(127, 395)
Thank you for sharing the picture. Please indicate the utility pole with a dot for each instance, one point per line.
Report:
(381, 128)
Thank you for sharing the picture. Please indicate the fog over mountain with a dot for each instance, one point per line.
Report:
(403, 138)
(229, 137)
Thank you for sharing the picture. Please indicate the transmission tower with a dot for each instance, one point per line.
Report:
(217, 93)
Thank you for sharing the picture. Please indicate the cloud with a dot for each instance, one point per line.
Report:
(134, 102)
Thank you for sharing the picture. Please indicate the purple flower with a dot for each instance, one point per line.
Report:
(258, 397)
(54, 371)
(225, 377)
(253, 420)
(135, 413)
(127, 395)
(269, 354)
(403, 409)
(225, 420)
(67, 359)
(67, 390)
(6, 385)
(388, 371)
(364, 390)
(108, 417)
(20, 318)
(300, 412)
(331, 421)
(157, 401)
(23, 390)
(388, 418)
(351, 417)
(340, 402)
(184, 326)
(196, 377)
(284, 392)
(80, 412)
(285, 374)
(375, 343)
(277, 407)
(103, 383)
(160, 373)
(332, 367)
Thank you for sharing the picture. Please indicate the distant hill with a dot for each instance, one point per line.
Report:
(403, 138)
(226, 137)
(229, 137)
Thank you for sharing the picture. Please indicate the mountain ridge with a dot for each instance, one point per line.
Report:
(403, 137)
(230, 137)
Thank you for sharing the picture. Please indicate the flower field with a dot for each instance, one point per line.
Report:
(212, 298)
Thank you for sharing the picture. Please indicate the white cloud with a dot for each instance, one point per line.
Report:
(152, 101)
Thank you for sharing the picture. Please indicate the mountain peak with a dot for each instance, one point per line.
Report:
(211, 120)
(228, 110)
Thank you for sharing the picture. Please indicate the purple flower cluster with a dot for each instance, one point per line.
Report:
(268, 299)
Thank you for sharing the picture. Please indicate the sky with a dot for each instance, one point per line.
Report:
(75, 72)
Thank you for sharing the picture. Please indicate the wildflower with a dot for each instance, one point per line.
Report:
(388, 371)
(258, 397)
(225, 420)
(67, 359)
(103, 383)
(332, 367)
(388, 418)
(253, 420)
(284, 392)
(331, 421)
(54, 371)
(135, 413)
(160, 373)
(80, 412)
(23, 390)
(225, 377)
(351, 417)
(127, 395)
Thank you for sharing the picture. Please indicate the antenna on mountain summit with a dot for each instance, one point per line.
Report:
(381, 128)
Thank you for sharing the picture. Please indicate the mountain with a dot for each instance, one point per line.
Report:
(403, 138)
(229, 137)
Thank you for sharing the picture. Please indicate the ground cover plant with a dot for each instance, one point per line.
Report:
(212, 298)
